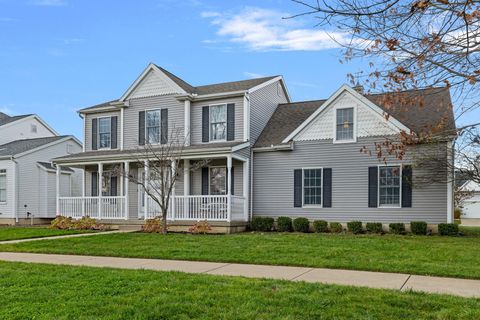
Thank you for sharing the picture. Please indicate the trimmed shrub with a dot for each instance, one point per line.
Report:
(284, 224)
(320, 226)
(201, 227)
(263, 224)
(448, 229)
(374, 227)
(87, 223)
(397, 228)
(61, 223)
(336, 227)
(154, 225)
(418, 227)
(301, 225)
(457, 213)
(355, 227)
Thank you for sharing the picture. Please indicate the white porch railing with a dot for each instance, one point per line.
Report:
(109, 208)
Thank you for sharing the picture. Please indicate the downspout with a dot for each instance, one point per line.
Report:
(450, 181)
(15, 188)
(251, 184)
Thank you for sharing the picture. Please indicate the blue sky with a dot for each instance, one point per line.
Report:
(57, 56)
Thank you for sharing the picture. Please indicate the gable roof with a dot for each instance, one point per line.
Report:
(51, 167)
(430, 107)
(4, 118)
(20, 146)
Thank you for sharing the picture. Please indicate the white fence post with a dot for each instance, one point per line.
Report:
(229, 188)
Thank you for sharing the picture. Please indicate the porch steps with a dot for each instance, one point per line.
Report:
(129, 227)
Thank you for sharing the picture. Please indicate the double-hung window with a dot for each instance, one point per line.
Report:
(218, 180)
(3, 185)
(104, 133)
(152, 126)
(312, 187)
(218, 122)
(344, 124)
(389, 186)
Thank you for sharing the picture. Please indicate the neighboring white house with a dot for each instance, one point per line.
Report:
(471, 206)
(27, 177)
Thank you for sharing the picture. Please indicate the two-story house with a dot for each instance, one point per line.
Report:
(267, 156)
(27, 175)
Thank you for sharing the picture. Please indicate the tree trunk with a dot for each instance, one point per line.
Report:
(164, 221)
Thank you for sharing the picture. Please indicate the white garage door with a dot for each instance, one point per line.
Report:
(471, 207)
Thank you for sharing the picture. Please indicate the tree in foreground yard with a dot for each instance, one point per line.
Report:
(413, 45)
(163, 162)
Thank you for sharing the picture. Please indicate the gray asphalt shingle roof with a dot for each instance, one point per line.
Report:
(51, 166)
(426, 110)
(4, 118)
(20, 146)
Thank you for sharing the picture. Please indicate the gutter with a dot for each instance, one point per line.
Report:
(278, 147)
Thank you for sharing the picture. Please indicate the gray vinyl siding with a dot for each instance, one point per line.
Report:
(273, 185)
(176, 117)
(263, 103)
(88, 127)
(196, 118)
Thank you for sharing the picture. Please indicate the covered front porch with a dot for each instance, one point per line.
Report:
(217, 192)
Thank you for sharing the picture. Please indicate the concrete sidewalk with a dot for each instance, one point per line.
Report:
(378, 280)
(64, 236)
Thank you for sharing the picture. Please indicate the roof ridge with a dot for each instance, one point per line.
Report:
(244, 80)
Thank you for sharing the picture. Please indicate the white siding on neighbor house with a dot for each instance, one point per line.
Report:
(30, 175)
(7, 209)
(22, 129)
(263, 103)
(176, 111)
(196, 117)
(273, 185)
(367, 121)
(88, 127)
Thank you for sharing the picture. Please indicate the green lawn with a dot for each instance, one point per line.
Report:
(58, 292)
(15, 233)
(435, 255)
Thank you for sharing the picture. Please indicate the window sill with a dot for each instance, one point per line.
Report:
(3, 203)
(345, 141)
(310, 206)
(389, 207)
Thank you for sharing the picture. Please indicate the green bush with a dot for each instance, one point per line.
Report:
(448, 229)
(355, 227)
(263, 224)
(336, 227)
(320, 226)
(397, 228)
(284, 224)
(301, 225)
(418, 227)
(374, 227)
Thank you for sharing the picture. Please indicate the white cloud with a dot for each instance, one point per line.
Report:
(48, 3)
(266, 30)
(73, 41)
(253, 75)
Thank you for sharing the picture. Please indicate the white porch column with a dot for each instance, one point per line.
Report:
(100, 189)
(172, 197)
(83, 191)
(186, 132)
(246, 176)
(229, 188)
(146, 184)
(126, 167)
(58, 188)
(186, 187)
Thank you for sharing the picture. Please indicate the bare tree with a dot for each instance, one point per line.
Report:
(162, 167)
(415, 44)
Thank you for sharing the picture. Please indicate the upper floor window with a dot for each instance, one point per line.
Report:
(312, 187)
(389, 184)
(3, 185)
(344, 125)
(104, 133)
(152, 126)
(218, 122)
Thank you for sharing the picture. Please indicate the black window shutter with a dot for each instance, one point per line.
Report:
(94, 134)
(297, 188)
(113, 129)
(113, 186)
(141, 128)
(205, 124)
(372, 187)
(95, 184)
(230, 121)
(164, 126)
(205, 181)
(327, 187)
(232, 183)
(407, 187)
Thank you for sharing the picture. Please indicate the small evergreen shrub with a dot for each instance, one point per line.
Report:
(448, 229)
(263, 224)
(397, 228)
(284, 224)
(418, 227)
(374, 227)
(355, 227)
(320, 226)
(336, 227)
(301, 225)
